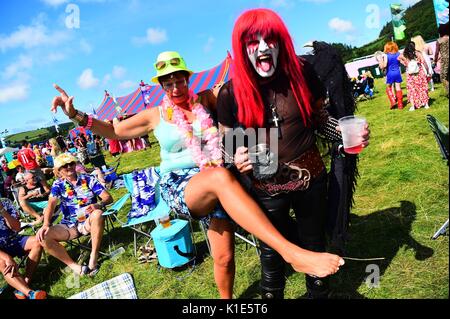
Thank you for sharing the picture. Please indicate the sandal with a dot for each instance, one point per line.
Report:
(85, 270)
(94, 271)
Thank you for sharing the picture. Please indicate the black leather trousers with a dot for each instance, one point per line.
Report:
(307, 231)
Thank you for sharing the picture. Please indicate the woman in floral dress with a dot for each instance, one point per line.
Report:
(416, 83)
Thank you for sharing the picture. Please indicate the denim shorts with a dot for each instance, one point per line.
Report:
(172, 187)
(16, 246)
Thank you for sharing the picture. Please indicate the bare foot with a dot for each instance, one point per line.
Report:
(312, 263)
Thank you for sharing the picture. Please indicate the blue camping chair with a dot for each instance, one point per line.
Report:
(136, 224)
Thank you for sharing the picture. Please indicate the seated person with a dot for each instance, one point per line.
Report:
(20, 176)
(14, 245)
(33, 196)
(82, 213)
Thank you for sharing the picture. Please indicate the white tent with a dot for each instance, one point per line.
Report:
(5, 150)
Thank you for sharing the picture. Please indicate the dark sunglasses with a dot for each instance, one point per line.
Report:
(68, 165)
(163, 64)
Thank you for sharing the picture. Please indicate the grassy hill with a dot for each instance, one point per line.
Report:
(39, 135)
(420, 19)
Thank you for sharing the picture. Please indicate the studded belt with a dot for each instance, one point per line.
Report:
(295, 175)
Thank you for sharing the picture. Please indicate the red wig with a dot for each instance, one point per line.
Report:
(245, 80)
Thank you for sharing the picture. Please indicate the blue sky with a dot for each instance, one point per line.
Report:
(114, 43)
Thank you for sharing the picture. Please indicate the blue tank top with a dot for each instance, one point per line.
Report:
(174, 154)
(393, 63)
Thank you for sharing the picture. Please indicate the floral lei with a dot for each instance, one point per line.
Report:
(211, 155)
(70, 193)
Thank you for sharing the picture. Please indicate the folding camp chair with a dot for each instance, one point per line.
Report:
(111, 213)
(136, 224)
(440, 132)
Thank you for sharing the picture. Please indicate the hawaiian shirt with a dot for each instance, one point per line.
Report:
(75, 198)
(7, 233)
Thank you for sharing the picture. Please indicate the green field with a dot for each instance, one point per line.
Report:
(400, 201)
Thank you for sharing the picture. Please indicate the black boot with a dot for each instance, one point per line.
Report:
(277, 293)
(318, 288)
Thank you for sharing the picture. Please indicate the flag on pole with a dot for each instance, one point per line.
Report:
(94, 112)
(441, 8)
(398, 22)
(55, 123)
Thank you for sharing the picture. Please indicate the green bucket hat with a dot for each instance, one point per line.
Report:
(169, 62)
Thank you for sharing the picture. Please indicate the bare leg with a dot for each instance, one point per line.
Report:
(34, 250)
(96, 226)
(207, 187)
(17, 282)
(29, 210)
(221, 237)
(52, 246)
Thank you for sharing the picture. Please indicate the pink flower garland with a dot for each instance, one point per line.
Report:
(211, 155)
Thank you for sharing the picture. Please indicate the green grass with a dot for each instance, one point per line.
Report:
(400, 201)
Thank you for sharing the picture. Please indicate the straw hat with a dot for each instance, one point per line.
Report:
(63, 159)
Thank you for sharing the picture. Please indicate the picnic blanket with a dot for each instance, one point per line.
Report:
(120, 287)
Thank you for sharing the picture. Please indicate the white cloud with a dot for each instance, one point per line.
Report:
(30, 36)
(118, 71)
(153, 36)
(208, 47)
(54, 3)
(85, 46)
(339, 25)
(55, 57)
(13, 92)
(127, 84)
(106, 79)
(24, 62)
(87, 79)
(281, 3)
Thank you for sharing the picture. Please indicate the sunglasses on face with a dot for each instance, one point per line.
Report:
(163, 64)
(170, 86)
(65, 166)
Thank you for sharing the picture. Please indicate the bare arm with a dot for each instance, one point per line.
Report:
(402, 59)
(436, 53)
(383, 61)
(106, 198)
(22, 195)
(11, 222)
(135, 126)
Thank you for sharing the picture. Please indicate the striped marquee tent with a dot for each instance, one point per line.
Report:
(147, 96)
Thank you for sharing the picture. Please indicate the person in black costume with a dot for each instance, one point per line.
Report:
(273, 88)
(330, 69)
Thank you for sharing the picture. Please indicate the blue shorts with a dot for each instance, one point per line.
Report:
(16, 246)
(393, 77)
(172, 187)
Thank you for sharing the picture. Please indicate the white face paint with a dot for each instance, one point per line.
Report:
(263, 53)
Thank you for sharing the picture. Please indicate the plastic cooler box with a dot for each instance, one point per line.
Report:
(173, 244)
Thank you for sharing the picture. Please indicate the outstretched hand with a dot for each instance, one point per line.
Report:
(64, 101)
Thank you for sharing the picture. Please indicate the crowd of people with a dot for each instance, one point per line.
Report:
(420, 63)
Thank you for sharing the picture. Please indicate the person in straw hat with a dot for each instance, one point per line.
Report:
(78, 195)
